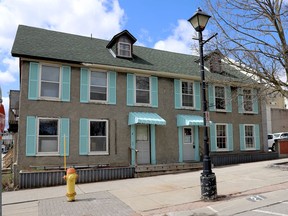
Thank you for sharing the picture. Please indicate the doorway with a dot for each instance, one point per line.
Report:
(143, 144)
(188, 144)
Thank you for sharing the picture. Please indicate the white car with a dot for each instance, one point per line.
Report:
(271, 142)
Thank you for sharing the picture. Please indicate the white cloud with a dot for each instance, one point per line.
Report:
(101, 18)
(180, 41)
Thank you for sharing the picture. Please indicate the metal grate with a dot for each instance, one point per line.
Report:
(53, 178)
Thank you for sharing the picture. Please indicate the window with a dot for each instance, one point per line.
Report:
(220, 98)
(98, 136)
(187, 94)
(249, 136)
(221, 137)
(247, 100)
(50, 81)
(124, 49)
(98, 86)
(48, 136)
(142, 90)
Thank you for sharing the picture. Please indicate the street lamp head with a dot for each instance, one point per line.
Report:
(199, 20)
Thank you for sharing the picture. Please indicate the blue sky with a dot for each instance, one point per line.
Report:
(159, 24)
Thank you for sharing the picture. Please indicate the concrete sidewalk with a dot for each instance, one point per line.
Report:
(174, 194)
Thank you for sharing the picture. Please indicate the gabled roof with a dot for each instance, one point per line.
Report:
(36, 43)
(125, 32)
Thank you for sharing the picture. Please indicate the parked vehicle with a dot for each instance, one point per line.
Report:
(271, 142)
(280, 135)
(276, 136)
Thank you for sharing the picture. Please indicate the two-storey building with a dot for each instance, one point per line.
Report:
(112, 102)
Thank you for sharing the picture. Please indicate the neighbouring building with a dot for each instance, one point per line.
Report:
(116, 104)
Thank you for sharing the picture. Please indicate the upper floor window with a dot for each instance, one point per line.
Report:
(50, 81)
(247, 100)
(142, 90)
(98, 86)
(219, 98)
(220, 101)
(187, 94)
(124, 49)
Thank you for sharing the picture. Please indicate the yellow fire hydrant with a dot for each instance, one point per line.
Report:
(70, 181)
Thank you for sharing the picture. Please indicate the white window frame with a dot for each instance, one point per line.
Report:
(60, 82)
(252, 101)
(225, 99)
(226, 137)
(181, 96)
(119, 49)
(254, 141)
(135, 92)
(107, 87)
(107, 138)
(192, 141)
(56, 153)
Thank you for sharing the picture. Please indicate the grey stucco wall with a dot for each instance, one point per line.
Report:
(279, 120)
(119, 131)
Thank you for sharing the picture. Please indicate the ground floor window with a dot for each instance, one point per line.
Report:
(98, 136)
(249, 136)
(221, 138)
(48, 135)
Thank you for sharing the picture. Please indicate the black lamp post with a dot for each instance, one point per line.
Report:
(207, 178)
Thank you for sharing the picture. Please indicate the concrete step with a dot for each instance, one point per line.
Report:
(160, 169)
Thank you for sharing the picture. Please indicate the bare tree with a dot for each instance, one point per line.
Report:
(253, 34)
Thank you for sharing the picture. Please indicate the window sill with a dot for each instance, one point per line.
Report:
(49, 99)
(187, 108)
(47, 154)
(142, 105)
(98, 153)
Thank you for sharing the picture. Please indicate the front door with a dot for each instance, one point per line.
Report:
(143, 144)
(188, 144)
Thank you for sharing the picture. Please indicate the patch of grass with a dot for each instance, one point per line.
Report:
(7, 182)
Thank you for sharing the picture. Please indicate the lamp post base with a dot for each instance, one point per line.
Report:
(208, 186)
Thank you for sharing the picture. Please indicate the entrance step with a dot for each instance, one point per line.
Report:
(161, 169)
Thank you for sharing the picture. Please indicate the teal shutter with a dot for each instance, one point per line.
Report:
(211, 96)
(180, 143)
(112, 87)
(64, 131)
(84, 85)
(213, 143)
(197, 95)
(154, 91)
(65, 88)
(130, 89)
(196, 143)
(153, 144)
(242, 137)
(133, 144)
(257, 137)
(177, 93)
(228, 99)
(240, 100)
(84, 136)
(230, 137)
(31, 136)
(33, 89)
(255, 101)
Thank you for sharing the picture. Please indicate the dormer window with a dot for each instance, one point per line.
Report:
(121, 45)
